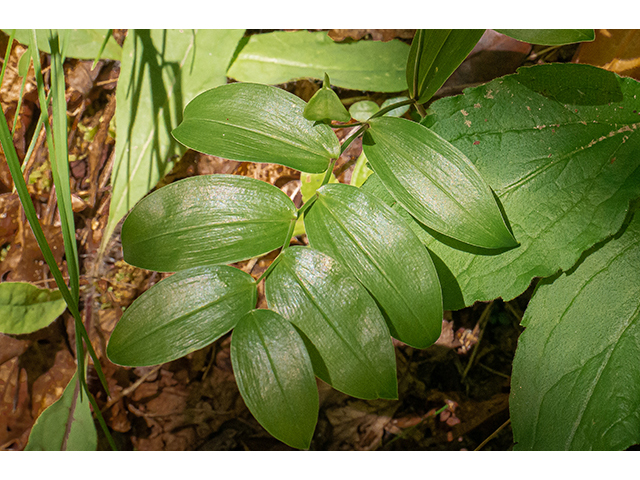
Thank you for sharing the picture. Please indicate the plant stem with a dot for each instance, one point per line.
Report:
(268, 270)
(327, 174)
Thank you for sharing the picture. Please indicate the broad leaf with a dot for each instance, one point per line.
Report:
(257, 123)
(344, 332)
(435, 54)
(361, 171)
(78, 43)
(275, 376)
(435, 182)
(381, 251)
(310, 182)
(67, 424)
(25, 308)
(559, 145)
(551, 37)
(161, 71)
(281, 57)
(206, 220)
(576, 385)
(361, 111)
(181, 314)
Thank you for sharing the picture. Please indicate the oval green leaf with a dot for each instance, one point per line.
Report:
(275, 376)
(183, 313)
(257, 123)
(281, 57)
(576, 384)
(25, 308)
(434, 56)
(361, 111)
(206, 220)
(551, 37)
(344, 332)
(66, 425)
(382, 252)
(79, 43)
(435, 182)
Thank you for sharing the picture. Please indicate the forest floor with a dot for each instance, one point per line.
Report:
(193, 403)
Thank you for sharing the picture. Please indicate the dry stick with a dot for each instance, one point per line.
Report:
(493, 435)
(130, 389)
(482, 322)
(405, 432)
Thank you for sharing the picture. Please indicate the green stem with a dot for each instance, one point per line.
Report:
(269, 269)
(354, 124)
(355, 135)
(329, 171)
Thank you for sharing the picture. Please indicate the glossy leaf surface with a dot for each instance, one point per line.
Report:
(257, 123)
(381, 251)
(434, 56)
(275, 376)
(551, 37)
(25, 308)
(576, 385)
(161, 71)
(559, 145)
(66, 425)
(183, 313)
(79, 43)
(206, 220)
(435, 182)
(344, 331)
(281, 57)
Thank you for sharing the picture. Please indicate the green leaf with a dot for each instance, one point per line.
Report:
(325, 105)
(25, 308)
(360, 171)
(360, 231)
(24, 63)
(257, 123)
(181, 314)
(275, 376)
(161, 71)
(281, 57)
(206, 220)
(80, 43)
(559, 145)
(435, 182)
(65, 425)
(396, 112)
(361, 111)
(310, 182)
(434, 56)
(576, 385)
(344, 332)
(551, 37)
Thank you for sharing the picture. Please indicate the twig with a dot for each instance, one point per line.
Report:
(404, 433)
(482, 322)
(493, 435)
(495, 372)
(130, 389)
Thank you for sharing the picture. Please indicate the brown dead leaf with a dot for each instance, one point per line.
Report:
(383, 34)
(614, 50)
(15, 417)
(359, 425)
(49, 387)
(11, 347)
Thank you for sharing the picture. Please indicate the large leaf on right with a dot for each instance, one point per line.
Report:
(560, 146)
(344, 331)
(181, 314)
(576, 381)
(206, 220)
(275, 376)
(257, 123)
(281, 57)
(357, 229)
(435, 182)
